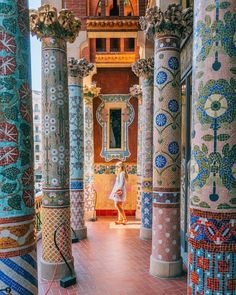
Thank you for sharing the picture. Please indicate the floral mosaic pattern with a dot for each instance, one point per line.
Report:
(16, 152)
(213, 161)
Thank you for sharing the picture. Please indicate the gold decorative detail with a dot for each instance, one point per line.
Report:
(91, 92)
(47, 22)
(173, 21)
(119, 24)
(115, 58)
(144, 67)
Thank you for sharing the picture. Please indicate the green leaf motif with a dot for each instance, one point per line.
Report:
(9, 188)
(225, 149)
(204, 148)
(208, 137)
(233, 70)
(15, 202)
(11, 173)
(223, 137)
(204, 205)
(224, 5)
(233, 201)
(210, 7)
(224, 206)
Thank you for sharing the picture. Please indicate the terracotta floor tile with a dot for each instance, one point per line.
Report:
(113, 262)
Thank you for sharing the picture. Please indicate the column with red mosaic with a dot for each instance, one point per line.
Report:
(54, 30)
(18, 260)
(212, 232)
(167, 28)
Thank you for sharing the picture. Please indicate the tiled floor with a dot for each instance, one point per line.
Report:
(114, 262)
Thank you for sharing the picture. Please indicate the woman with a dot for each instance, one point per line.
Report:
(118, 194)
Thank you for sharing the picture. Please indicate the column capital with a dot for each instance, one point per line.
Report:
(79, 67)
(144, 67)
(136, 91)
(174, 21)
(48, 22)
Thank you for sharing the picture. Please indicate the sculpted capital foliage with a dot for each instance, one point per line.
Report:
(47, 22)
(172, 21)
(79, 68)
(136, 91)
(144, 67)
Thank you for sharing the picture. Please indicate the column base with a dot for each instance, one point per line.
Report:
(90, 216)
(48, 269)
(164, 269)
(81, 233)
(145, 233)
(138, 215)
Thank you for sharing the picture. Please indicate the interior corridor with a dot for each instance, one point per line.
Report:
(113, 261)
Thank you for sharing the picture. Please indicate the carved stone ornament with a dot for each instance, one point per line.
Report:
(79, 67)
(136, 90)
(91, 91)
(47, 22)
(173, 21)
(144, 67)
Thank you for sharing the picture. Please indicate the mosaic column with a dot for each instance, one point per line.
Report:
(78, 69)
(167, 28)
(144, 68)
(212, 231)
(55, 29)
(89, 94)
(18, 264)
(136, 91)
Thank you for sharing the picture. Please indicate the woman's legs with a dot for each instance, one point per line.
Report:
(121, 211)
(119, 214)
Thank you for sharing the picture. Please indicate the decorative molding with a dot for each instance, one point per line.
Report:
(115, 57)
(111, 24)
(47, 22)
(127, 119)
(144, 67)
(100, 168)
(90, 92)
(79, 67)
(173, 21)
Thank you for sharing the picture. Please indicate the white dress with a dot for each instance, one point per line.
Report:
(119, 184)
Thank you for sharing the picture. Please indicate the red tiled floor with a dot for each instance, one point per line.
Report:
(113, 262)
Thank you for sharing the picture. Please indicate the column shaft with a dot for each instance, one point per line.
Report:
(122, 8)
(147, 142)
(165, 258)
(103, 7)
(56, 196)
(77, 156)
(212, 232)
(139, 162)
(18, 263)
(89, 158)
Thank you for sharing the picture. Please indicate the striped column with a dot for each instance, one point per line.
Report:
(18, 262)
(89, 93)
(169, 26)
(212, 232)
(78, 69)
(144, 68)
(136, 91)
(52, 29)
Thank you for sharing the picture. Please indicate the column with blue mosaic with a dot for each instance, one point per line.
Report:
(144, 68)
(18, 259)
(167, 28)
(77, 70)
(212, 232)
(54, 29)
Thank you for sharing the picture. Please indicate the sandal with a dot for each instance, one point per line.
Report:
(124, 222)
(118, 222)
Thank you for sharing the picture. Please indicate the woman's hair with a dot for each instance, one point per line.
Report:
(123, 168)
